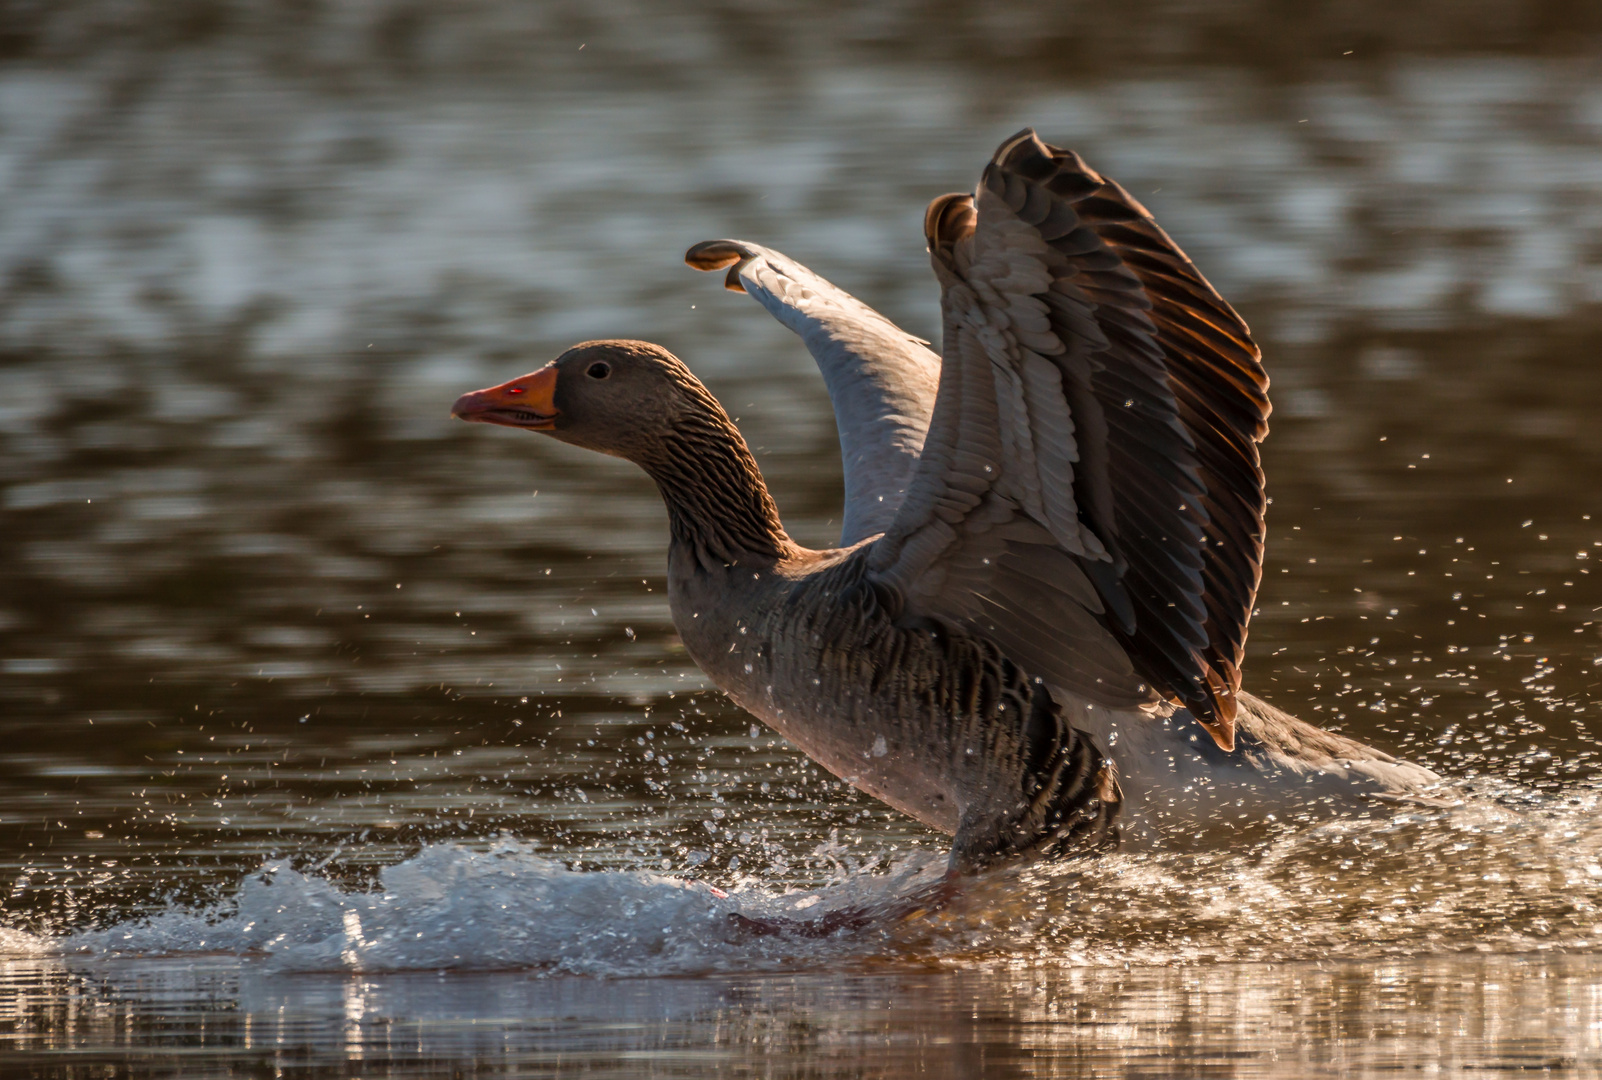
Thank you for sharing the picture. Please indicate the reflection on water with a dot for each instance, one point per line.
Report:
(261, 602)
(1335, 1019)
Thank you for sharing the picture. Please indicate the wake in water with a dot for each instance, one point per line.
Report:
(1474, 877)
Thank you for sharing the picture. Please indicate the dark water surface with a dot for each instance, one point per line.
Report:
(345, 739)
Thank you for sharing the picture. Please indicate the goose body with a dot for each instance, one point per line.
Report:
(939, 725)
(1031, 635)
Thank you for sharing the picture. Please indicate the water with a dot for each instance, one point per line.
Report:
(345, 739)
(1461, 1017)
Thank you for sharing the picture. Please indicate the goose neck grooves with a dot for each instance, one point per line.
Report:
(718, 505)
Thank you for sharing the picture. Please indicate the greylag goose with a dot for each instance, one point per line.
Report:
(1039, 644)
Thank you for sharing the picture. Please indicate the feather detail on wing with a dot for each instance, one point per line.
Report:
(1090, 478)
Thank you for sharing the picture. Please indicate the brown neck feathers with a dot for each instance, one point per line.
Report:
(717, 502)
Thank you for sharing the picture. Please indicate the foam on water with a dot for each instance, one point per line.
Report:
(1478, 877)
(449, 907)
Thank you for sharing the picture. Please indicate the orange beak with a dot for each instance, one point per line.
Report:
(525, 402)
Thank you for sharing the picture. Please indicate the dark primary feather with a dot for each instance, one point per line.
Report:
(1167, 398)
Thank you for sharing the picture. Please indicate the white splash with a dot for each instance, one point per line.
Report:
(449, 907)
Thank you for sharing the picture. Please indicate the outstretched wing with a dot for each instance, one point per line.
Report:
(881, 380)
(1091, 472)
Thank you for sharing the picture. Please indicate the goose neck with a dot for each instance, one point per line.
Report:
(718, 506)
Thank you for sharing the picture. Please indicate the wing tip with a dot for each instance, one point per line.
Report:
(1062, 171)
(1026, 137)
(1223, 733)
(1221, 696)
(711, 255)
(950, 217)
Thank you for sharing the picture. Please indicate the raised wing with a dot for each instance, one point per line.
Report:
(881, 380)
(1091, 471)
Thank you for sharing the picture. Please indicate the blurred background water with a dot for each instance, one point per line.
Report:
(262, 603)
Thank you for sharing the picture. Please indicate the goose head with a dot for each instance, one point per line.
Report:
(635, 400)
(617, 397)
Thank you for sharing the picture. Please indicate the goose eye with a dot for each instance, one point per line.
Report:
(599, 370)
